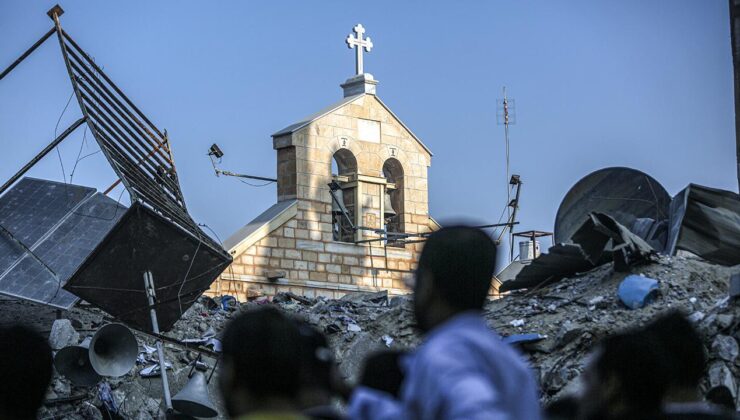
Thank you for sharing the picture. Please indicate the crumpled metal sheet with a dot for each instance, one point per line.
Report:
(599, 240)
(560, 261)
(625, 248)
(706, 222)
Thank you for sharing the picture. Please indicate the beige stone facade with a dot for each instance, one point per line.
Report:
(300, 244)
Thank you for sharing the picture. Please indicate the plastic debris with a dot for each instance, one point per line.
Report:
(153, 370)
(523, 338)
(637, 291)
(696, 316)
(517, 323)
(106, 397)
(387, 339)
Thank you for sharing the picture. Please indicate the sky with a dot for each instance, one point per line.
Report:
(642, 84)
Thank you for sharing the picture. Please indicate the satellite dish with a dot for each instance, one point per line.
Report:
(623, 193)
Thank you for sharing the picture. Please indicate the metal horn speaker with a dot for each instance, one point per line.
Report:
(193, 398)
(113, 350)
(74, 363)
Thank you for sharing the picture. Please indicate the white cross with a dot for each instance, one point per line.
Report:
(360, 43)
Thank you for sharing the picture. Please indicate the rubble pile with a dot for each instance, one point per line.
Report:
(575, 313)
(555, 327)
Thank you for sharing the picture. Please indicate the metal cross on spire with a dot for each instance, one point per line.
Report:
(359, 43)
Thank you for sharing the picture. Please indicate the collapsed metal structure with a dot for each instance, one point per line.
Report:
(156, 235)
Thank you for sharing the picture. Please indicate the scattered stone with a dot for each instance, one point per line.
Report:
(63, 334)
(725, 321)
(696, 316)
(721, 375)
(725, 347)
(61, 387)
(569, 331)
(134, 402)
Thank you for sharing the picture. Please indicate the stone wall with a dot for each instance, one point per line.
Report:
(301, 255)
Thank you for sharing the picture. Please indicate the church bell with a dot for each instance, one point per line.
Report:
(193, 398)
(337, 206)
(388, 210)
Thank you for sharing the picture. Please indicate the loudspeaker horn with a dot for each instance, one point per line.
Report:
(74, 363)
(193, 398)
(113, 350)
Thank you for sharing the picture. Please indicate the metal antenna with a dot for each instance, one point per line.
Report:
(506, 116)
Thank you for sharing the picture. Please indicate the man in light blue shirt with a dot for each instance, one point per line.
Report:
(462, 370)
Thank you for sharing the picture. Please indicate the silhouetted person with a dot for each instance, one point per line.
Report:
(318, 375)
(682, 351)
(625, 380)
(260, 369)
(25, 372)
(565, 408)
(462, 370)
(382, 371)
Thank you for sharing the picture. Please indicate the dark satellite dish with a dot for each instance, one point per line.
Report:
(623, 193)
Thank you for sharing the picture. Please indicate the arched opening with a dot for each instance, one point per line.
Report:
(393, 211)
(343, 163)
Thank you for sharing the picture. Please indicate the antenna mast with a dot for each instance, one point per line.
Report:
(506, 116)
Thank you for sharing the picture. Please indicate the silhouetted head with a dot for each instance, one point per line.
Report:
(382, 371)
(682, 350)
(317, 367)
(454, 274)
(624, 380)
(260, 369)
(25, 372)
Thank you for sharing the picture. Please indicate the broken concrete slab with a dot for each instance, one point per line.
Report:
(721, 375)
(63, 334)
(725, 348)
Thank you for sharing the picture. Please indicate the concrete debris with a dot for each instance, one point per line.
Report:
(721, 375)
(63, 334)
(554, 327)
(725, 348)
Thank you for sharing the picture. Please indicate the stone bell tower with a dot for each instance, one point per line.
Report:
(352, 181)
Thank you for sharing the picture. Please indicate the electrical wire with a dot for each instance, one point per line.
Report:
(56, 128)
(255, 185)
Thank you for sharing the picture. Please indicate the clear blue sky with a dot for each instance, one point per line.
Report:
(645, 84)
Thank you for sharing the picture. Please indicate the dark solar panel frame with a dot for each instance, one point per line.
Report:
(138, 151)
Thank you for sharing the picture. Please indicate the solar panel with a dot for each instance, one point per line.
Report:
(47, 230)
